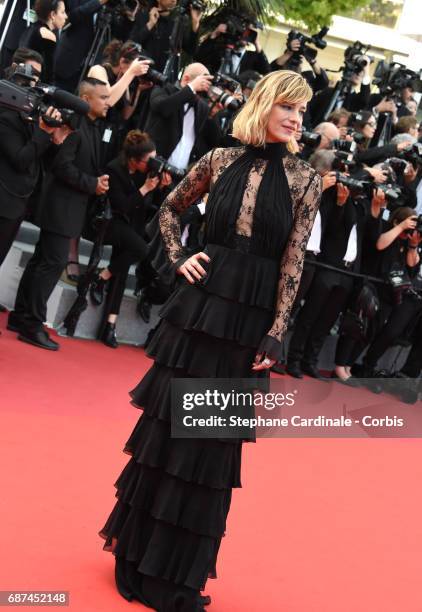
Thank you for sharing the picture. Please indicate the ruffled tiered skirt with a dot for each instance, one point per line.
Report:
(174, 495)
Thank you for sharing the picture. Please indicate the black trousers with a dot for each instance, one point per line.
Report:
(8, 231)
(413, 364)
(306, 279)
(128, 248)
(402, 316)
(325, 300)
(41, 275)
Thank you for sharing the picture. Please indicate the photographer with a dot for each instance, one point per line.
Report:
(75, 41)
(134, 195)
(366, 125)
(356, 76)
(41, 37)
(153, 28)
(341, 248)
(401, 304)
(292, 59)
(23, 146)
(178, 122)
(74, 177)
(211, 51)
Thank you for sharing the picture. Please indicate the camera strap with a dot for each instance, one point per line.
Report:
(367, 277)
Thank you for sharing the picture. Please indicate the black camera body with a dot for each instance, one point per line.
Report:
(136, 52)
(305, 50)
(184, 6)
(157, 165)
(392, 77)
(217, 92)
(310, 139)
(355, 60)
(412, 154)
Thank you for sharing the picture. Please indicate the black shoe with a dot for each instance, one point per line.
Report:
(294, 370)
(109, 336)
(312, 370)
(205, 600)
(278, 368)
(96, 290)
(38, 337)
(144, 308)
(14, 322)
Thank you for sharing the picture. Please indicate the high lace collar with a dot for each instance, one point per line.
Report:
(271, 150)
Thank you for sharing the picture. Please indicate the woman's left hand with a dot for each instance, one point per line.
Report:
(262, 362)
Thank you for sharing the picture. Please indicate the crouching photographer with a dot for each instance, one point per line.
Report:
(138, 184)
(29, 125)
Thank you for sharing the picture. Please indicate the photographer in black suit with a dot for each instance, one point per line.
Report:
(211, 52)
(74, 178)
(153, 28)
(178, 122)
(75, 41)
(22, 146)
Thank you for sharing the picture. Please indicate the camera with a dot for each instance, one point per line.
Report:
(33, 101)
(135, 52)
(310, 139)
(355, 60)
(305, 50)
(122, 6)
(239, 30)
(392, 78)
(157, 165)
(217, 93)
(185, 6)
(412, 154)
(346, 146)
(353, 184)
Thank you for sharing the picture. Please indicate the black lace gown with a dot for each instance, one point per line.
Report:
(174, 494)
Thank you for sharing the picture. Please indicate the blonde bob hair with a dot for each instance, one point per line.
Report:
(250, 125)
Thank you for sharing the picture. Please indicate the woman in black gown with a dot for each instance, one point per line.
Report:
(41, 35)
(174, 494)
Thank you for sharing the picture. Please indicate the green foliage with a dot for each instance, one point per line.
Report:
(312, 14)
(380, 12)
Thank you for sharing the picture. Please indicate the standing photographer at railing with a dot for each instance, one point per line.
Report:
(22, 146)
(75, 176)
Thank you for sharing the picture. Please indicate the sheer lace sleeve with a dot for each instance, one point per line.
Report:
(291, 267)
(192, 187)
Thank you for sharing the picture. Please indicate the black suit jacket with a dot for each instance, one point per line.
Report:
(70, 183)
(165, 121)
(22, 147)
(75, 41)
(338, 226)
(211, 53)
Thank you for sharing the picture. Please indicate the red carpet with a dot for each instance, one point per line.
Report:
(320, 525)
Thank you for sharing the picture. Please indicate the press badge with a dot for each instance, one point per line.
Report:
(107, 135)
